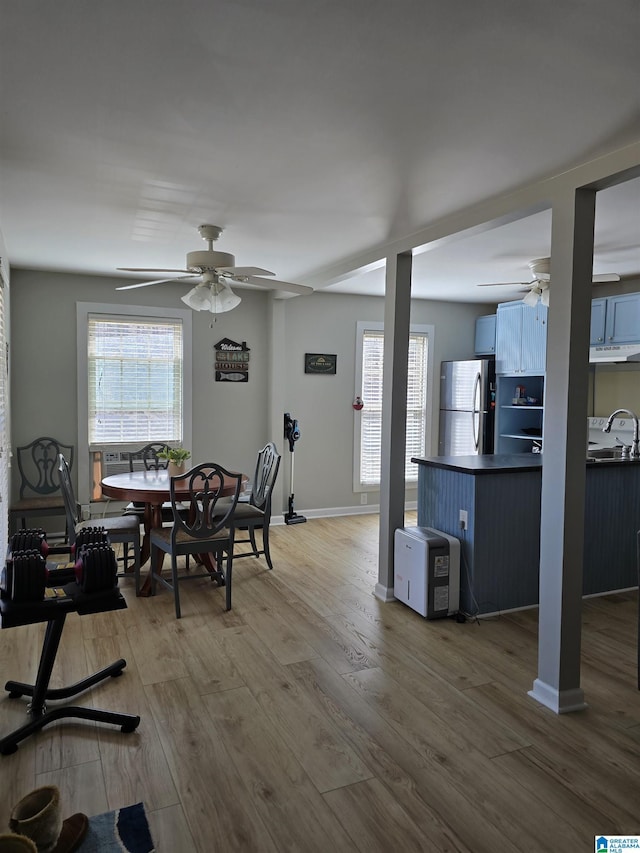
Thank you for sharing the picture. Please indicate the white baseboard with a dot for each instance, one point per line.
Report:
(559, 701)
(332, 512)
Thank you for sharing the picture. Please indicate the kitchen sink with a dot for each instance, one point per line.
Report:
(605, 453)
(608, 454)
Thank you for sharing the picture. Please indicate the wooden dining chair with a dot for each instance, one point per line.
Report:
(40, 493)
(255, 514)
(203, 531)
(124, 529)
(147, 459)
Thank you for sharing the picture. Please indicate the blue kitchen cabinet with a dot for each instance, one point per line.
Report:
(486, 335)
(521, 339)
(622, 323)
(598, 317)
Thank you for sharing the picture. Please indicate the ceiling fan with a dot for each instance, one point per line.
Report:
(216, 270)
(537, 290)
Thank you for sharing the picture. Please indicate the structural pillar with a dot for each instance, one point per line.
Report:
(397, 311)
(563, 462)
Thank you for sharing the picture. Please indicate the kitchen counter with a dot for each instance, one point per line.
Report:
(485, 464)
(501, 546)
(504, 462)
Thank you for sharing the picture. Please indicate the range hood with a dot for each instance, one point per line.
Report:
(615, 354)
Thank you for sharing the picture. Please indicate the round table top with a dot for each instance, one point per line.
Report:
(151, 486)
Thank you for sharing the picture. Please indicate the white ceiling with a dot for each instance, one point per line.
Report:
(311, 132)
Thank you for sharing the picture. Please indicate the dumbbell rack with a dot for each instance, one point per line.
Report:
(54, 612)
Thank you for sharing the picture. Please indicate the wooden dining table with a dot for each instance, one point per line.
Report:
(152, 489)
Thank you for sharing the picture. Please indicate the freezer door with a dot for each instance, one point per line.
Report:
(463, 385)
(461, 433)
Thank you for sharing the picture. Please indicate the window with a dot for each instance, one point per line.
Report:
(135, 370)
(369, 371)
(134, 383)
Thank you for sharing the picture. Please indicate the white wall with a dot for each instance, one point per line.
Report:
(326, 323)
(230, 421)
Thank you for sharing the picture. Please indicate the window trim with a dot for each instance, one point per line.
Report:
(83, 310)
(363, 326)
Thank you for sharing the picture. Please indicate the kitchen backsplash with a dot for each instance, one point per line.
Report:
(612, 387)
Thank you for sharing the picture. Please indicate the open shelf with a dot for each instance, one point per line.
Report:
(514, 418)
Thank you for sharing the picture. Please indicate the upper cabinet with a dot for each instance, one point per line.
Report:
(521, 339)
(486, 335)
(615, 320)
(598, 317)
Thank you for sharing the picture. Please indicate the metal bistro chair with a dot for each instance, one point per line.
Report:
(201, 532)
(255, 514)
(40, 493)
(122, 528)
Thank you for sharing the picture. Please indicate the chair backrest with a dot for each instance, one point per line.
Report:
(148, 455)
(37, 464)
(71, 507)
(207, 483)
(265, 477)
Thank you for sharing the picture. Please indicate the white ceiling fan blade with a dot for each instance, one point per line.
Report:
(148, 269)
(242, 271)
(505, 284)
(275, 284)
(158, 281)
(611, 276)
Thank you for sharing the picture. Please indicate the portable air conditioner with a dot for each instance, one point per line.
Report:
(427, 571)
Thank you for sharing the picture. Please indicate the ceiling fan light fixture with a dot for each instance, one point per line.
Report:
(533, 297)
(217, 298)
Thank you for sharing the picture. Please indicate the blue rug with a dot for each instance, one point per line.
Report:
(121, 830)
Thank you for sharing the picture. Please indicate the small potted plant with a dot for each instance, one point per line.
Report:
(177, 456)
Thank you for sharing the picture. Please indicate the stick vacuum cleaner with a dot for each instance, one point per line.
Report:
(292, 434)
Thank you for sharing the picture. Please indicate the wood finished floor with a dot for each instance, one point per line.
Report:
(312, 717)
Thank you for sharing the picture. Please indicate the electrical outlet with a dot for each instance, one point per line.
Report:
(464, 519)
(363, 497)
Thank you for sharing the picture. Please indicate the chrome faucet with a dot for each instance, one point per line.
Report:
(635, 447)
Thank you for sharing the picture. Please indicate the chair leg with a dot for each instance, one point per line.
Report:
(252, 539)
(227, 578)
(265, 545)
(174, 578)
(154, 567)
(136, 567)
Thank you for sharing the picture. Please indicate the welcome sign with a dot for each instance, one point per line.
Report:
(232, 361)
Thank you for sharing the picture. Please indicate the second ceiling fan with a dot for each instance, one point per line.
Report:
(537, 289)
(216, 271)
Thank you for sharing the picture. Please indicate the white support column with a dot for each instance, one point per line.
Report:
(276, 397)
(397, 312)
(563, 471)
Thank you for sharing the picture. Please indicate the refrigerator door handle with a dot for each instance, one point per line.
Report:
(475, 413)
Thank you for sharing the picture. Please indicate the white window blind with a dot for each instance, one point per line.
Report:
(4, 420)
(135, 379)
(372, 354)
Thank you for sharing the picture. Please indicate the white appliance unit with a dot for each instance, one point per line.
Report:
(427, 571)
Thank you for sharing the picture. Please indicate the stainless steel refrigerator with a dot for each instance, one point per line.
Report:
(467, 407)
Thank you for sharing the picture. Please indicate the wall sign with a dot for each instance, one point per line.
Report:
(232, 361)
(315, 362)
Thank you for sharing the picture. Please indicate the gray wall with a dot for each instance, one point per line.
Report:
(230, 421)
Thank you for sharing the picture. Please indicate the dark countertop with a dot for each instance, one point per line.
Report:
(485, 464)
(505, 463)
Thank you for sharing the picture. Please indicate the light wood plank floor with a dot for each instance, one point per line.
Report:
(312, 717)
